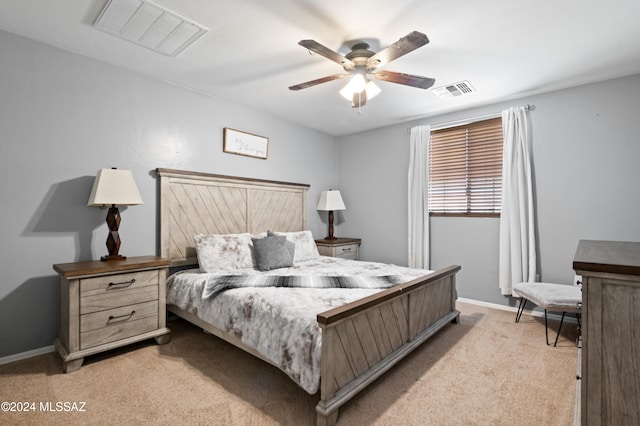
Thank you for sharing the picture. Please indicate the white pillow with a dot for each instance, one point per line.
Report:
(305, 245)
(223, 251)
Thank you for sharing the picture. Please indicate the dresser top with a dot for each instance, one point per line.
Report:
(616, 257)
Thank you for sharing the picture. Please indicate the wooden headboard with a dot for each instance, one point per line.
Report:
(192, 203)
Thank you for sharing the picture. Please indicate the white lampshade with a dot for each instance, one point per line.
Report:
(330, 200)
(372, 89)
(114, 187)
(356, 85)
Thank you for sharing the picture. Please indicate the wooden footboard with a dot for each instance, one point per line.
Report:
(363, 339)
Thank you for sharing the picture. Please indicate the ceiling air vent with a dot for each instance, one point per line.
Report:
(456, 89)
(148, 25)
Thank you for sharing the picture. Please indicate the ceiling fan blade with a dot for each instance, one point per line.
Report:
(406, 79)
(359, 99)
(317, 81)
(316, 47)
(406, 44)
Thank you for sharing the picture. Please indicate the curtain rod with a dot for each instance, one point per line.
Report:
(439, 126)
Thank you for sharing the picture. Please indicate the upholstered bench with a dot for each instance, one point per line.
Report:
(552, 297)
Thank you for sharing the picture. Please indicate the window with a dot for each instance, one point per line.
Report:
(465, 170)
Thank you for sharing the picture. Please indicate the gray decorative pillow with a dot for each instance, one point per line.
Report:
(273, 252)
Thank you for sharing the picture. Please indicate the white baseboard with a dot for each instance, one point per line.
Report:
(25, 355)
(536, 313)
(488, 305)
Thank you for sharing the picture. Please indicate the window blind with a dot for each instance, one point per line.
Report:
(465, 169)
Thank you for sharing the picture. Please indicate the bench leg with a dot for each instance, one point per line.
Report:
(521, 306)
(546, 329)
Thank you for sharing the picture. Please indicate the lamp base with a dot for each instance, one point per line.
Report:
(107, 258)
(330, 236)
(113, 239)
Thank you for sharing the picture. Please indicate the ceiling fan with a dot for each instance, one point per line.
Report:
(361, 63)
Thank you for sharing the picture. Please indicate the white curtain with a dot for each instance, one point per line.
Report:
(517, 221)
(418, 211)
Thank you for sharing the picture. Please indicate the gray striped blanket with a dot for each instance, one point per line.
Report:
(218, 283)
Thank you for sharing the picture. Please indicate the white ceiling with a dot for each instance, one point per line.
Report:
(250, 55)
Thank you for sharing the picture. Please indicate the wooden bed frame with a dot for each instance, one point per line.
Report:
(360, 340)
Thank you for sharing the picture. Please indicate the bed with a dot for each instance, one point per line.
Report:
(360, 337)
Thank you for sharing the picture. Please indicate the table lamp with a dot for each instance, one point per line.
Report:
(329, 201)
(114, 187)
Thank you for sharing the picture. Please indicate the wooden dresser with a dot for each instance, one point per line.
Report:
(105, 305)
(346, 248)
(609, 380)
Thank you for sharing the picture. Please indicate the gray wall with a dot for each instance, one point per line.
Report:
(63, 117)
(586, 149)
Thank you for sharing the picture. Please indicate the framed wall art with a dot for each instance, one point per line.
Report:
(243, 143)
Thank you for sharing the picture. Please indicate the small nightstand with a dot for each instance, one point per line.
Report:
(105, 305)
(346, 248)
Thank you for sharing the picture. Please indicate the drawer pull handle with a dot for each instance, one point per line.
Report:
(346, 249)
(124, 317)
(123, 283)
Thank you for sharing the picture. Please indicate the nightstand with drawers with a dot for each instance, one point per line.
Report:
(346, 248)
(105, 305)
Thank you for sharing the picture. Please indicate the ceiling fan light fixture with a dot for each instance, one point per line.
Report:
(356, 85)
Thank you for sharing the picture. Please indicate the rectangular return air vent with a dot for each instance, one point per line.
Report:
(456, 89)
(148, 25)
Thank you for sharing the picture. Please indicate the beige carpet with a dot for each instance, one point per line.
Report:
(486, 370)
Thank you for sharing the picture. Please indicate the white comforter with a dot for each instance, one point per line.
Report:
(279, 323)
